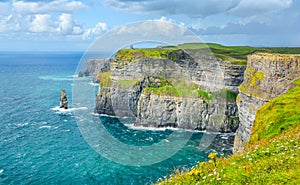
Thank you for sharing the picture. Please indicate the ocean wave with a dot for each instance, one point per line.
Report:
(45, 126)
(103, 115)
(134, 127)
(93, 84)
(1, 171)
(22, 124)
(56, 78)
(58, 110)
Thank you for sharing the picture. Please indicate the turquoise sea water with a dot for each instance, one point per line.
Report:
(41, 145)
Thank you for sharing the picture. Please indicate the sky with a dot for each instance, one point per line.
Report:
(73, 25)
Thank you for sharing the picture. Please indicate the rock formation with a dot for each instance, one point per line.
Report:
(151, 89)
(94, 66)
(154, 90)
(266, 77)
(63, 100)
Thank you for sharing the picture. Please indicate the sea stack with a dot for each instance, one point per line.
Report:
(63, 100)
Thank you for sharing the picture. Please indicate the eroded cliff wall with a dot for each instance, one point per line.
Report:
(151, 90)
(94, 66)
(266, 77)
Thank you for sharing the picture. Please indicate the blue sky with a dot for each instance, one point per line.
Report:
(72, 25)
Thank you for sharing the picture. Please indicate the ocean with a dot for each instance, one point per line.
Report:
(40, 144)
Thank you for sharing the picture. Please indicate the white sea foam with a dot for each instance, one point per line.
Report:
(132, 126)
(1, 171)
(56, 78)
(45, 126)
(58, 110)
(93, 84)
(104, 115)
(22, 124)
(225, 137)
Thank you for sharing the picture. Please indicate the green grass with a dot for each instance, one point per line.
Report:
(128, 82)
(277, 116)
(105, 79)
(179, 89)
(272, 157)
(234, 54)
(133, 54)
(251, 87)
(237, 54)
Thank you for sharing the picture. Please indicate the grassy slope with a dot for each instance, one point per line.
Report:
(273, 156)
(132, 54)
(236, 54)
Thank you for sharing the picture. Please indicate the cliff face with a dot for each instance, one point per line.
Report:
(266, 77)
(94, 66)
(183, 89)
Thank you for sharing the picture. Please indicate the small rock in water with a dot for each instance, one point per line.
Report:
(63, 100)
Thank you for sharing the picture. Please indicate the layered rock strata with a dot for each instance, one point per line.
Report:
(266, 77)
(185, 89)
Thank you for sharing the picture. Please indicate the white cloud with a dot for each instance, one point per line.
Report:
(41, 7)
(41, 23)
(68, 26)
(162, 31)
(66, 23)
(99, 29)
(77, 30)
(42, 17)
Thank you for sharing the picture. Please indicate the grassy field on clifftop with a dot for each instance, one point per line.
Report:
(272, 157)
(235, 54)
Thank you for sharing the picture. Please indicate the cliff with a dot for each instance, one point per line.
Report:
(171, 87)
(94, 66)
(271, 156)
(266, 77)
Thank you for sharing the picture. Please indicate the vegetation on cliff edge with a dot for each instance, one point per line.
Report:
(235, 54)
(133, 54)
(272, 157)
(252, 86)
(105, 79)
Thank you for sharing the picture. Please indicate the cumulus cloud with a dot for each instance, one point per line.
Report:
(41, 7)
(7, 24)
(66, 23)
(99, 29)
(40, 17)
(41, 23)
(162, 31)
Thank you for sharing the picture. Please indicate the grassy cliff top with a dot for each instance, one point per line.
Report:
(132, 54)
(272, 156)
(236, 54)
